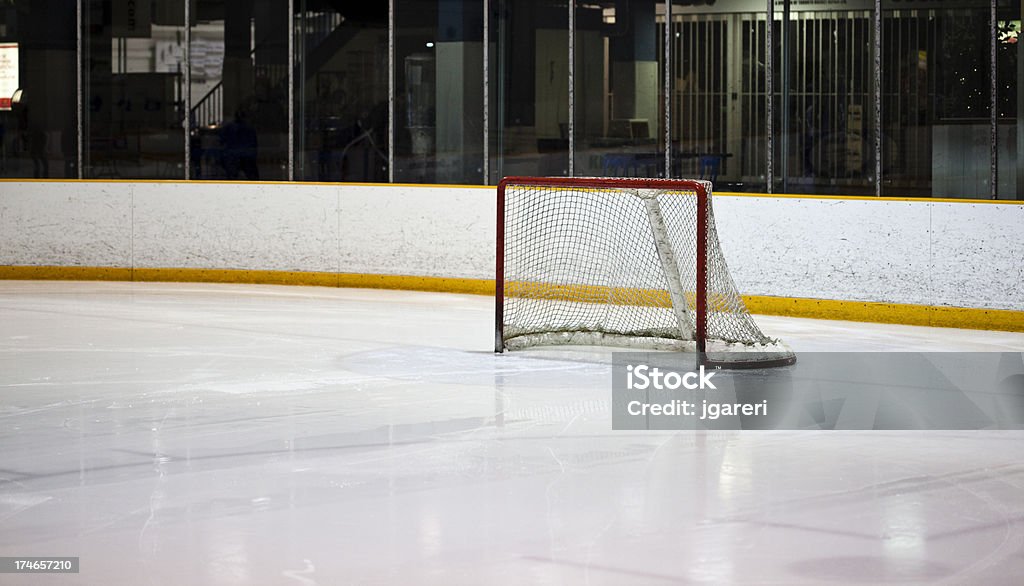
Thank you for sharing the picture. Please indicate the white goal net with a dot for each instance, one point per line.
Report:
(620, 262)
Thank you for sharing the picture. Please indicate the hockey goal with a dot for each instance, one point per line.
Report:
(622, 262)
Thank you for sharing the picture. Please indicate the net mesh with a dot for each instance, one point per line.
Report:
(585, 260)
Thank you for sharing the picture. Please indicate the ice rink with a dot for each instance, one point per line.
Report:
(235, 434)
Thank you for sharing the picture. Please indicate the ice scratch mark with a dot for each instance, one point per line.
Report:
(297, 574)
(11, 505)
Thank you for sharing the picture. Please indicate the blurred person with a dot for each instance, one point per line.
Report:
(240, 148)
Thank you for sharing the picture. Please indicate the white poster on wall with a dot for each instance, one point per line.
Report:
(8, 73)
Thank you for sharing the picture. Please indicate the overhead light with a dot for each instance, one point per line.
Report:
(430, 45)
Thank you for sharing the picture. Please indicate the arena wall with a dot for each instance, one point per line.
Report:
(789, 254)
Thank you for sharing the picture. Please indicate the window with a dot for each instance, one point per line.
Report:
(38, 125)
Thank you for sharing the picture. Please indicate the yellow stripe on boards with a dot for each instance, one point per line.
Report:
(864, 311)
(235, 276)
(51, 273)
(259, 277)
(889, 313)
(589, 294)
(410, 283)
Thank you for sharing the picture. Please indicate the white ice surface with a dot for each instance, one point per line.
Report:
(205, 434)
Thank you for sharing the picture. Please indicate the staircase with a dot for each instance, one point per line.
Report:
(324, 35)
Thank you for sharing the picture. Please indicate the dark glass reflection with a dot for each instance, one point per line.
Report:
(134, 90)
(342, 91)
(239, 116)
(38, 125)
(439, 91)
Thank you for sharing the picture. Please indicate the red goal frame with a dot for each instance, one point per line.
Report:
(700, 330)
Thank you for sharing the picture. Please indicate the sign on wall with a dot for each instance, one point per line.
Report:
(8, 73)
(132, 19)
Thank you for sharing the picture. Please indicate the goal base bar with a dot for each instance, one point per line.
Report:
(718, 355)
(766, 361)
